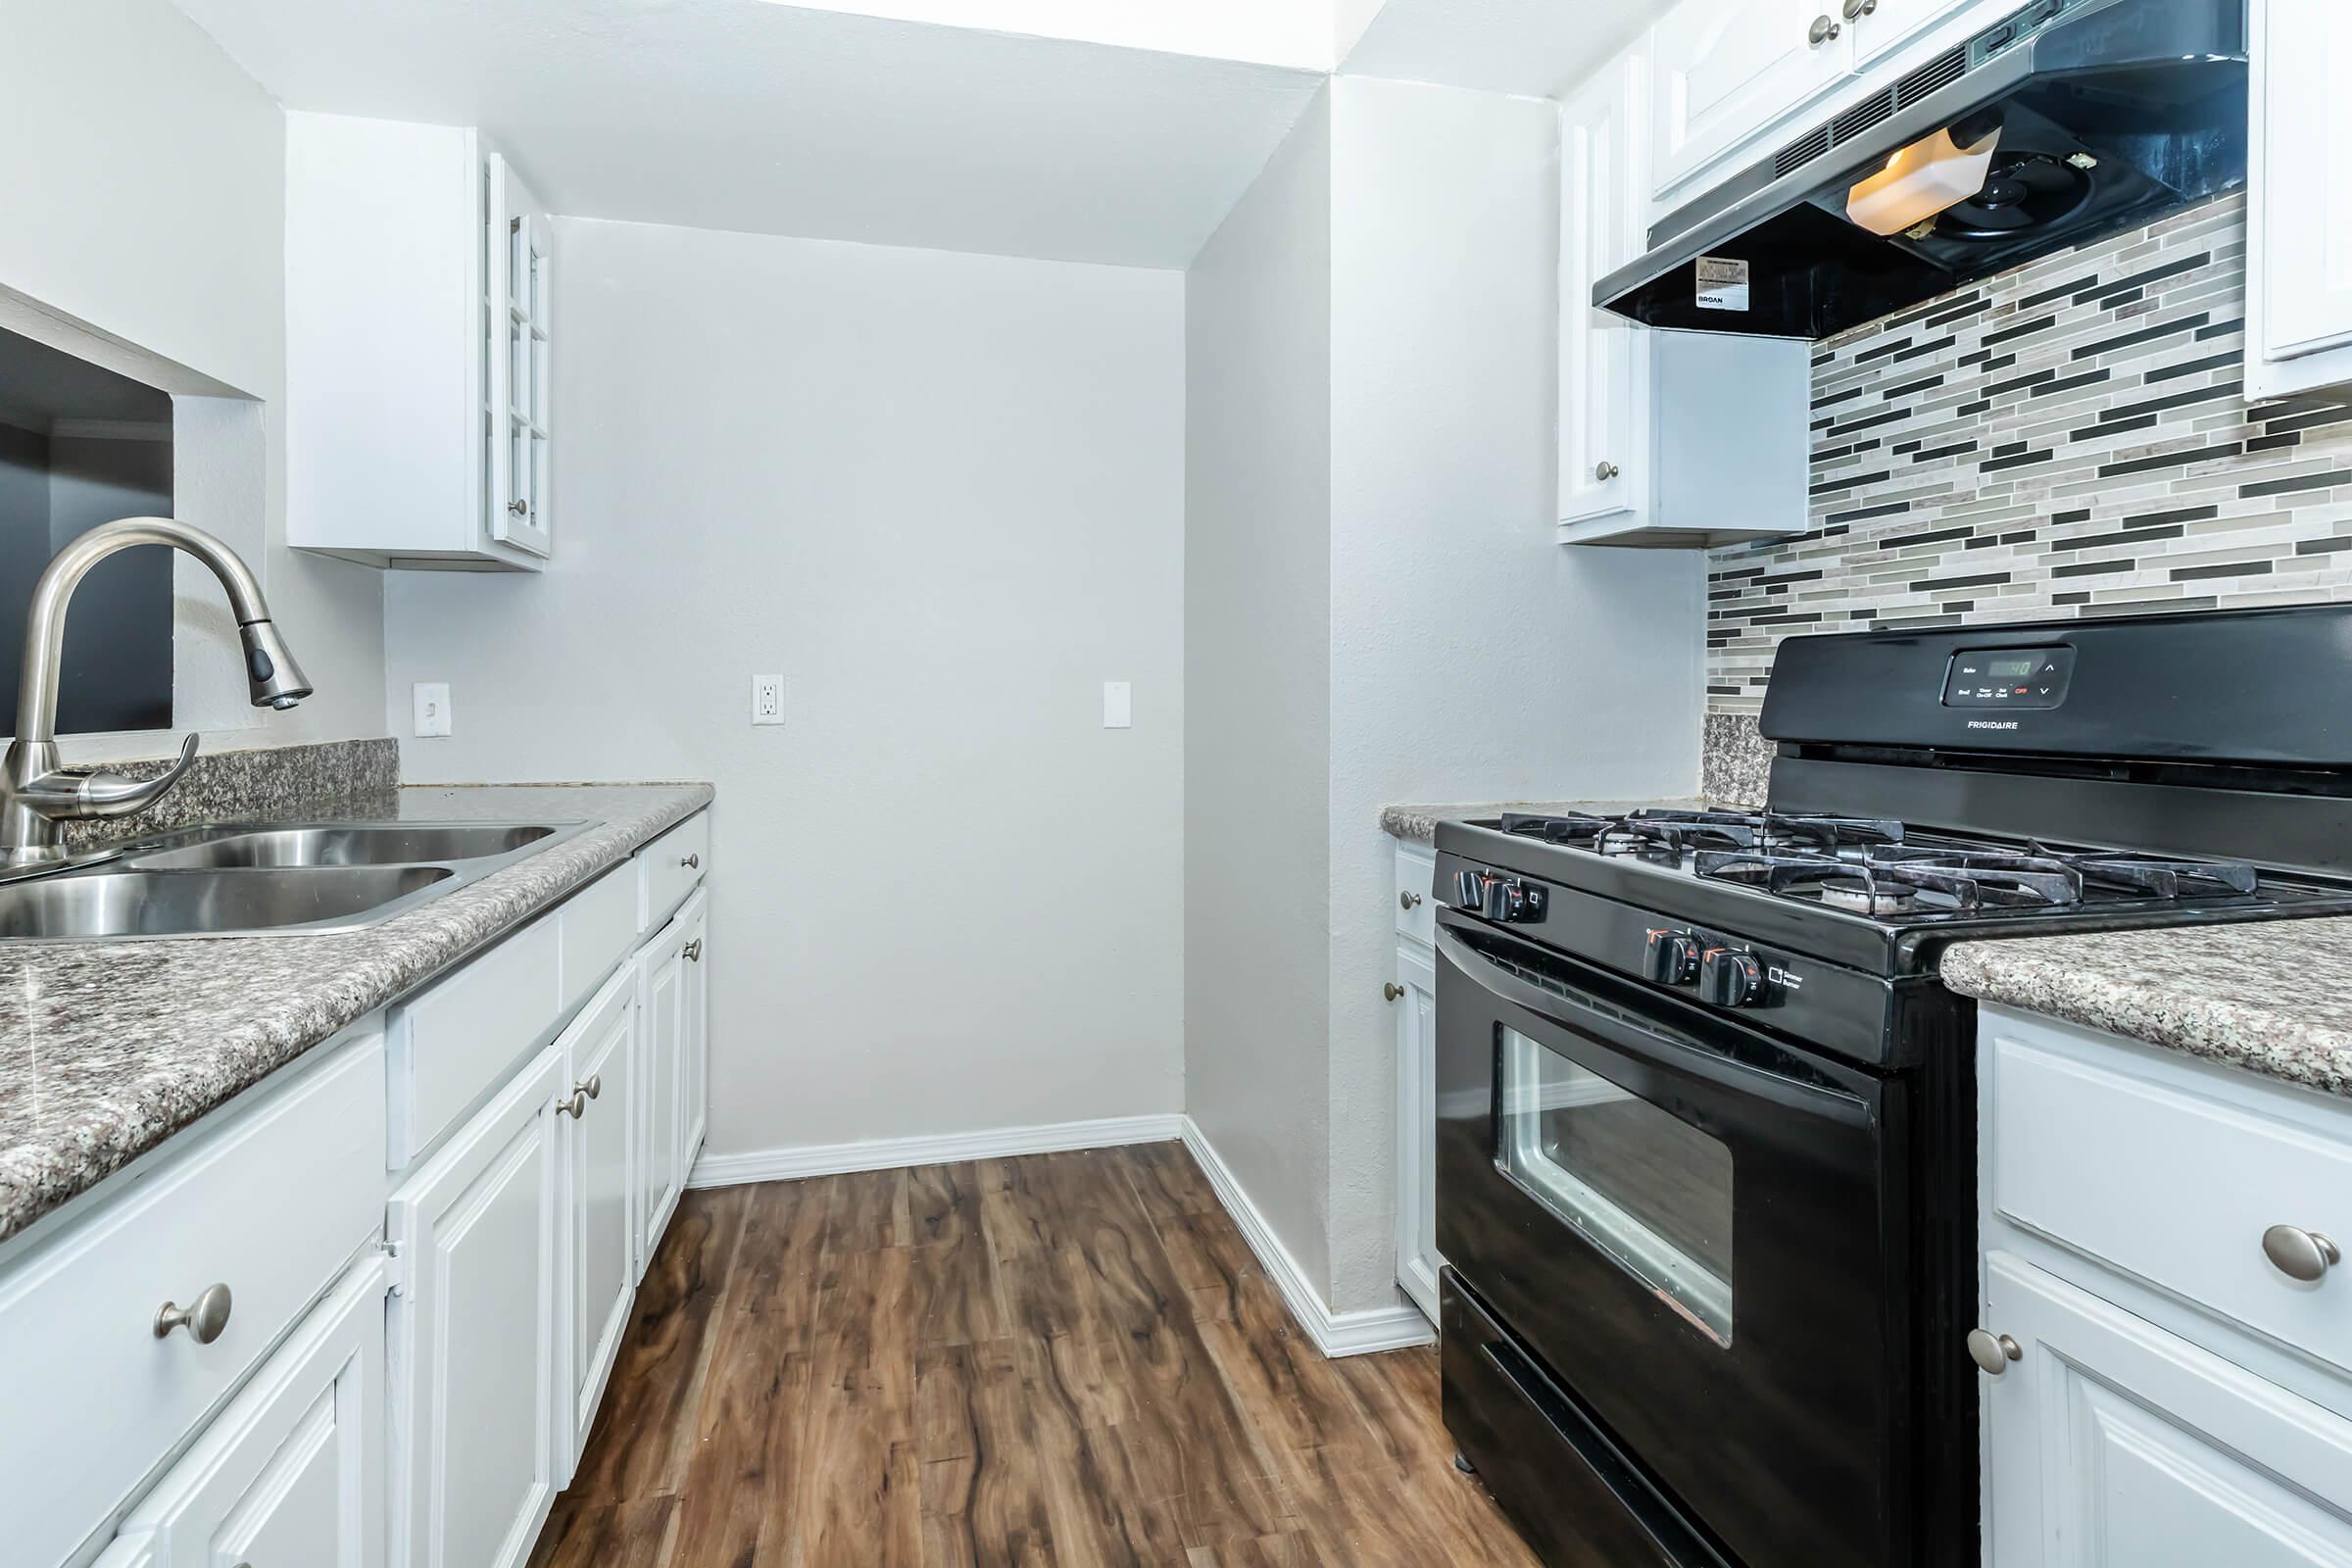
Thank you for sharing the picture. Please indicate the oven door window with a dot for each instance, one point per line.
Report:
(1646, 1186)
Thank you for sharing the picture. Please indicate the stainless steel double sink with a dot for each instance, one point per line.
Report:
(262, 879)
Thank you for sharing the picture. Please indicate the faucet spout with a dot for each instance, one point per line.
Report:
(36, 793)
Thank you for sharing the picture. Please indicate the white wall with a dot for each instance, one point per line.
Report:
(1472, 657)
(942, 495)
(1257, 578)
(154, 212)
(1376, 612)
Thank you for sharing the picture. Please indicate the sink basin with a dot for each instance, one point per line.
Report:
(346, 843)
(94, 905)
(253, 879)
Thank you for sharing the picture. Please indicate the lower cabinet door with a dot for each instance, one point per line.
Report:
(474, 1334)
(1418, 1260)
(2111, 1442)
(290, 1474)
(661, 967)
(600, 1171)
(693, 1047)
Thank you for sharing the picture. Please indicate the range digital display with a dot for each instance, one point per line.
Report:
(2008, 677)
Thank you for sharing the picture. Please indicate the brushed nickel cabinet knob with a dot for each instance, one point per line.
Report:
(1993, 1352)
(1408, 901)
(1605, 471)
(594, 1086)
(1391, 990)
(2300, 1255)
(1860, 8)
(204, 1319)
(1822, 30)
(692, 863)
(576, 1107)
(694, 950)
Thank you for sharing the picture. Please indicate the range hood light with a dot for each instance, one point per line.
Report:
(1919, 181)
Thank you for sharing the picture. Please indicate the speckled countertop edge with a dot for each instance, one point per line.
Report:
(1418, 824)
(2270, 997)
(108, 1048)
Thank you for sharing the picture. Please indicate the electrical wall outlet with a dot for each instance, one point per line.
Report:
(767, 699)
(431, 700)
(1118, 704)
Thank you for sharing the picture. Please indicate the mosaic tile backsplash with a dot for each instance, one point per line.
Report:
(2068, 439)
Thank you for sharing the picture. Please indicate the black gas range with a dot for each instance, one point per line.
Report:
(1706, 1176)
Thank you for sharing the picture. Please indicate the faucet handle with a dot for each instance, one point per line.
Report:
(113, 794)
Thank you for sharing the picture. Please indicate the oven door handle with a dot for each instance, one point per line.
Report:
(1640, 1040)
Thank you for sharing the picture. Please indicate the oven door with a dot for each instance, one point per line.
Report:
(1697, 1229)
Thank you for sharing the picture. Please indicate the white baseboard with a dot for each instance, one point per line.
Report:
(890, 1154)
(1336, 1334)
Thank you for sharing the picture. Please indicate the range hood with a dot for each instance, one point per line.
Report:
(2066, 121)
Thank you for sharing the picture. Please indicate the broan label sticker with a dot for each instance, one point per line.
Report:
(1722, 283)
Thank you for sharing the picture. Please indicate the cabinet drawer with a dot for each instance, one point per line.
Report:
(2170, 1184)
(599, 927)
(77, 1341)
(1416, 912)
(448, 1047)
(669, 868)
(293, 1470)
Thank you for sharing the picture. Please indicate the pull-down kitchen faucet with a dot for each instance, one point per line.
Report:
(36, 793)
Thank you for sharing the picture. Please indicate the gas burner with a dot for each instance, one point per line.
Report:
(1864, 896)
(1576, 827)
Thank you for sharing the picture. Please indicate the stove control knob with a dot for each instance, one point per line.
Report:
(1730, 978)
(1470, 891)
(1670, 957)
(1513, 902)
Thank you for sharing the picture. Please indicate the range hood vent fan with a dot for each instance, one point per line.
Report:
(2110, 113)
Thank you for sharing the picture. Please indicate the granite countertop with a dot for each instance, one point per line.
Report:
(107, 1049)
(2272, 996)
(1419, 823)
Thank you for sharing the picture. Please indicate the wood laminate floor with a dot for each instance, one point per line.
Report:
(1061, 1359)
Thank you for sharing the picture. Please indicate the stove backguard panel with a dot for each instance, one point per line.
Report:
(2067, 439)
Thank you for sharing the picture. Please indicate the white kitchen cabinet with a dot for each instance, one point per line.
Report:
(291, 1474)
(1666, 438)
(2299, 198)
(217, 1216)
(2113, 1442)
(1604, 364)
(694, 1045)
(600, 1188)
(1883, 25)
(1413, 995)
(1723, 69)
(662, 965)
(419, 339)
(476, 1333)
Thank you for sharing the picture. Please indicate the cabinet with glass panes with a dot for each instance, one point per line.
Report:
(420, 410)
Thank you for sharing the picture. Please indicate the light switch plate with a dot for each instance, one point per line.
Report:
(1118, 704)
(431, 699)
(767, 699)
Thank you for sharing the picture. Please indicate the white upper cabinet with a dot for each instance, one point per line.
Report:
(1600, 362)
(1666, 438)
(419, 335)
(2299, 212)
(1723, 69)
(1882, 24)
